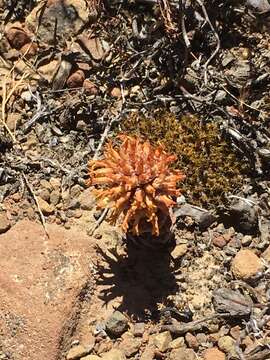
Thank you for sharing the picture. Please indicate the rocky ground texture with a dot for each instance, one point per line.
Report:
(71, 285)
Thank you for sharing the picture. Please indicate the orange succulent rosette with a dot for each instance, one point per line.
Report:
(135, 181)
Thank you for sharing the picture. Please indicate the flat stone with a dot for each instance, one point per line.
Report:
(4, 222)
(246, 265)
(182, 354)
(76, 352)
(213, 354)
(91, 357)
(162, 340)
(177, 343)
(179, 251)
(41, 281)
(114, 354)
(117, 324)
(129, 345)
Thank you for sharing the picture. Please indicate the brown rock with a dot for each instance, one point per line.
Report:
(76, 79)
(116, 92)
(246, 265)
(235, 332)
(41, 281)
(248, 342)
(213, 354)
(129, 345)
(182, 354)
(192, 341)
(29, 50)
(4, 222)
(90, 87)
(17, 37)
(45, 208)
(162, 340)
(219, 241)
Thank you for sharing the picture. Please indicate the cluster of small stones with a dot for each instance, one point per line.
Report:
(140, 341)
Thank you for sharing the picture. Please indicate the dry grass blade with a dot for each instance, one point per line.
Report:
(6, 95)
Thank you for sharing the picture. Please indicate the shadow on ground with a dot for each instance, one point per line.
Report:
(142, 277)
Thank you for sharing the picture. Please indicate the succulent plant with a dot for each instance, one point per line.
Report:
(136, 182)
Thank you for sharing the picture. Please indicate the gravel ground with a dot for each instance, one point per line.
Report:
(191, 75)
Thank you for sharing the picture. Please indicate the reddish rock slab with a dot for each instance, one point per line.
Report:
(40, 284)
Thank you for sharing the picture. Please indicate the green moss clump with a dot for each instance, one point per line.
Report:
(211, 168)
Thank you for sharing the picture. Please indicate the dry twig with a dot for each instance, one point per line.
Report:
(42, 219)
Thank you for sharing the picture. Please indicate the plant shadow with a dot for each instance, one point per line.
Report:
(142, 277)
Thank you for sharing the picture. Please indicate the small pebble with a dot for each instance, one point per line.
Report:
(117, 324)
(246, 240)
(179, 251)
(162, 340)
(191, 341)
(138, 329)
(227, 344)
(182, 354)
(213, 354)
(177, 343)
(246, 265)
(45, 208)
(219, 241)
